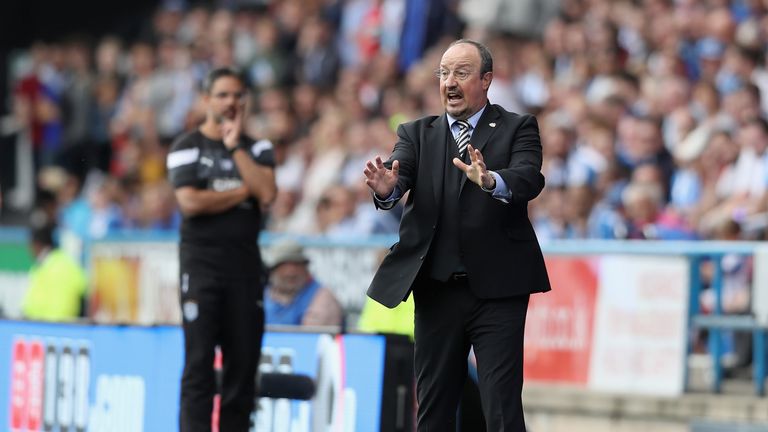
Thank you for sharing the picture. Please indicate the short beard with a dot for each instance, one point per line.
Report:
(220, 118)
(288, 286)
(460, 115)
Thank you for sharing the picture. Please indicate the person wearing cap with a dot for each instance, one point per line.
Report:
(294, 296)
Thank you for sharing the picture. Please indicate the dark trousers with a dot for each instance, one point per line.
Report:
(228, 313)
(449, 319)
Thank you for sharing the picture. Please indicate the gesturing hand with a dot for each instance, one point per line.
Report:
(381, 180)
(476, 171)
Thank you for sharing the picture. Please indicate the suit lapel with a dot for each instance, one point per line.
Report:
(435, 151)
(482, 133)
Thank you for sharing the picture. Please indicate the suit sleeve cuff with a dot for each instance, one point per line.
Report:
(390, 201)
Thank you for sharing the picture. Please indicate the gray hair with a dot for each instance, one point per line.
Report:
(635, 192)
(486, 60)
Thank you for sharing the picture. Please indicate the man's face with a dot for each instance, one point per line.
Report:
(463, 90)
(289, 278)
(752, 136)
(226, 95)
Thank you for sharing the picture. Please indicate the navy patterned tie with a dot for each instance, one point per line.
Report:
(462, 140)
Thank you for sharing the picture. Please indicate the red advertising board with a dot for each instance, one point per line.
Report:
(558, 333)
(35, 381)
(27, 385)
(19, 389)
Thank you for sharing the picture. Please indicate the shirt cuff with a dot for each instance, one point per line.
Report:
(389, 202)
(501, 191)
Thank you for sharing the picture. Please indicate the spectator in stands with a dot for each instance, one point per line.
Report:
(157, 211)
(57, 283)
(735, 297)
(336, 213)
(744, 193)
(550, 220)
(317, 59)
(645, 217)
(737, 275)
(74, 208)
(77, 99)
(172, 88)
(716, 170)
(642, 144)
(579, 200)
(294, 296)
(38, 103)
(269, 66)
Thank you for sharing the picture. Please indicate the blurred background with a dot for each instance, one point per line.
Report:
(653, 125)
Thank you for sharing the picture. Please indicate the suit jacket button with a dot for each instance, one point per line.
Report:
(421, 257)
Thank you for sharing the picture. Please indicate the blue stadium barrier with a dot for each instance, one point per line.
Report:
(13, 235)
(701, 426)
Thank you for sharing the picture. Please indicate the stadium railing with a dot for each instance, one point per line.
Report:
(717, 321)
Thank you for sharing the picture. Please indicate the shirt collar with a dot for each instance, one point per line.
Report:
(472, 120)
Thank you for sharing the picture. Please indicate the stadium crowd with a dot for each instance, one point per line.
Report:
(652, 112)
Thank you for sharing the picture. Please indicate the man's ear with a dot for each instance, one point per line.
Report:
(487, 78)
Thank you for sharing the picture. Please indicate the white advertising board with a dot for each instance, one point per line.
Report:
(640, 325)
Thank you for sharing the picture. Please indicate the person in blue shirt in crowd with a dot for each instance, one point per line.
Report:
(294, 296)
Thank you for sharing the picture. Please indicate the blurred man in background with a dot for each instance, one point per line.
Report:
(57, 283)
(222, 181)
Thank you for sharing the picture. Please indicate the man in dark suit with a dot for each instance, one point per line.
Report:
(467, 249)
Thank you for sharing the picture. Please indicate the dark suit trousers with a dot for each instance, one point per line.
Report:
(449, 319)
(227, 312)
